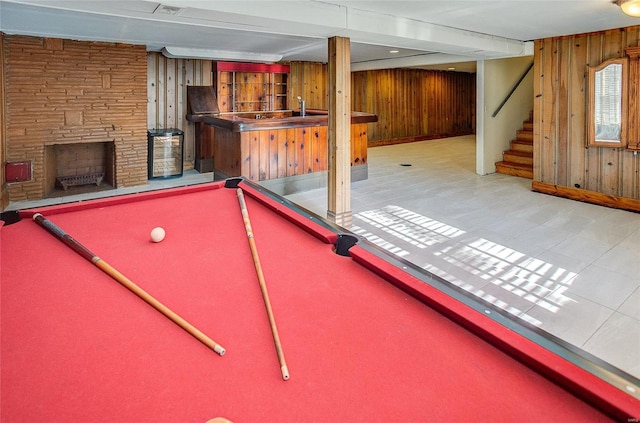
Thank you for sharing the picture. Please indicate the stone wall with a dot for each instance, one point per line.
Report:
(65, 92)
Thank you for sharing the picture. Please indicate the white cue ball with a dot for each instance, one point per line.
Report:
(157, 234)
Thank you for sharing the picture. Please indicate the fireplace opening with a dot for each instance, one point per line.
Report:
(79, 168)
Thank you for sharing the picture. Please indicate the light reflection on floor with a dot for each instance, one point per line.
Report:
(534, 280)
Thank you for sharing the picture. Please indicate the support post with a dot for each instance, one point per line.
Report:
(633, 119)
(339, 132)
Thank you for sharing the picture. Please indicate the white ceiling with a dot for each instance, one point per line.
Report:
(427, 33)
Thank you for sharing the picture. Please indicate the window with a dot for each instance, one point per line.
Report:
(607, 119)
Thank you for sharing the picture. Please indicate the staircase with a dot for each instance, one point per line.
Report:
(518, 161)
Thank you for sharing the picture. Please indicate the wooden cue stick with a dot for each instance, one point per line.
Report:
(263, 286)
(119, 277)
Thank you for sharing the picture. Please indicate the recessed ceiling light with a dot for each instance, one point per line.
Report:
(394, 51)
(451, 68)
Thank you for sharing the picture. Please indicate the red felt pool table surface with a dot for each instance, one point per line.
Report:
(79, 347)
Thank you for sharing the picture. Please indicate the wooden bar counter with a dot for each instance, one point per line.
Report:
(264, 146)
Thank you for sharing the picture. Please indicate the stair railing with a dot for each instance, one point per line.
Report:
(515, 87)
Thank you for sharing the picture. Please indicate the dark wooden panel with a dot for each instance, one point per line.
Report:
(201, 100)
(204, 148)
(227, 147)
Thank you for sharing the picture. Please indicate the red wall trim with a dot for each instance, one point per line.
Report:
(251, 67)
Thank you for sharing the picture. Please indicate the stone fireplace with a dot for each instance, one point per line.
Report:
(79, 168)
(75, 110)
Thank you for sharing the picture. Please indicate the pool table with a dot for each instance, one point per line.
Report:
(366, 338)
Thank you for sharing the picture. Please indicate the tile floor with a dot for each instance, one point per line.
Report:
(570, 268)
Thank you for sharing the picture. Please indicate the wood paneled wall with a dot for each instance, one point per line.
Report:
(310, 81)
(416, 103)
(4, 192)
(561, 156)
(410, 103)
(167, 81)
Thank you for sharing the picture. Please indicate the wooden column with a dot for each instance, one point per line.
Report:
(633, 119)
(339, 125)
